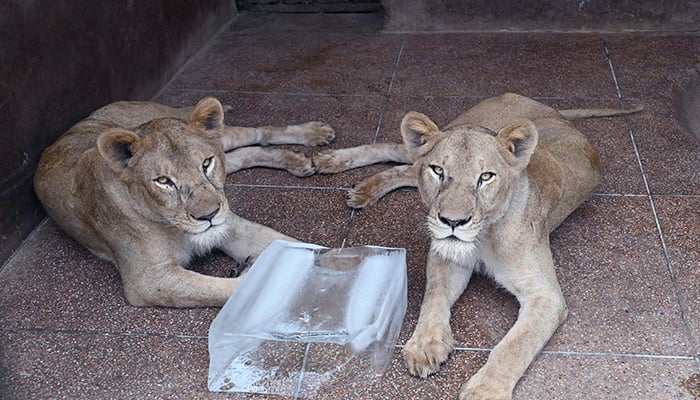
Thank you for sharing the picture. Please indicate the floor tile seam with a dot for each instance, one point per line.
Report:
(265, 93)
(680, 298)
(317, 33)
(291, 187)
(586, 353)
(673, 275)
(394, 96)
(413, 189)
(86, 332)
(380, 120)
(655, 195)
(676, 195)
(619, 195)
(544, 32)
(538, 98)
(302, 372)
(388, 94)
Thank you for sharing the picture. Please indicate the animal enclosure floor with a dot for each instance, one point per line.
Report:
(628, 259)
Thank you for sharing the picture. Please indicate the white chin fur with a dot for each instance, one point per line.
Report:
(455, 250)
(203, 242)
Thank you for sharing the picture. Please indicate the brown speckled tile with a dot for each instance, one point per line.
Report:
(613, 274)
(68, 365)
(592, 377)
(294, 62)
(680, 221)
(670, 156)
(288, 211)
(647, 65)
(484, 65)
(397, 383)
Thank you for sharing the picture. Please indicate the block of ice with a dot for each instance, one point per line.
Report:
(306, 316)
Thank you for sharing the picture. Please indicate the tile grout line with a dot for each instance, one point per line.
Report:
(662, 238)
(385, 104)
(266, 93)
(300, 383)
(587, 353)
(348, 226)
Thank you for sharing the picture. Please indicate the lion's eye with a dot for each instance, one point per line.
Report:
(164, 181)
(438, 171)
(485, 177)
(206, 164)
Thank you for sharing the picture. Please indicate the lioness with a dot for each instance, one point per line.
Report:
(142, 185)
(496, 182)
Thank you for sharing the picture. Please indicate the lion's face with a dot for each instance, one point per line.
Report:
(174, 170)
(466, 176)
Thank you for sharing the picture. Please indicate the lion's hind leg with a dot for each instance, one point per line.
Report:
(308, 134)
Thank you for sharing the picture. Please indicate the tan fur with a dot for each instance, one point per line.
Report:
(496, 181)
(142, 185)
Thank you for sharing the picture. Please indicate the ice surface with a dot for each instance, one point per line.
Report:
(350, 302)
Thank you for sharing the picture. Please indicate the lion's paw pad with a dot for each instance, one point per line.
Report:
(424, 354)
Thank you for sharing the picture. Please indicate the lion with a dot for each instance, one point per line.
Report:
(141, 185)
(496, 182)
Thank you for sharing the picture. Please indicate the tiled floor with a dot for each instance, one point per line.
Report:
(628, 259)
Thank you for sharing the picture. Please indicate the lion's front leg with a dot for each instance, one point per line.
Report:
(334, 161)
(295, 163)
(371, 189)
(542, 310)
(432, 340)
(309, 134)
(167, 284)
(245, 239)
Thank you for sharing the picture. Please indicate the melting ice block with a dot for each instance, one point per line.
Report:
(306, 316)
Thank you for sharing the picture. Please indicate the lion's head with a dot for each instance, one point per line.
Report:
(466, 176)
(174, 169)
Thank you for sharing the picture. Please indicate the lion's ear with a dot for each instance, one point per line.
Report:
(208, 115)
(416, 130)
(117, 146)
(520, 139)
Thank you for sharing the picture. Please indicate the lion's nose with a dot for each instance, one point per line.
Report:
(209, 216)
(453, 223)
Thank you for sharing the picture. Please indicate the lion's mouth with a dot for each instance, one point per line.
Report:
(456, 237)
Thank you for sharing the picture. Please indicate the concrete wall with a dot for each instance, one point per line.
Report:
(542, 15)
(59, 60)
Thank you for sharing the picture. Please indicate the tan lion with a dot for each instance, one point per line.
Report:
(496, 182)
(142, 185)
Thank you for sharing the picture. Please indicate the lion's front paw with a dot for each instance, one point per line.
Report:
(326, 162)
(358, 198)
(364, 194)
(481, 387)
(425, 352)
(299, 165)
(317, 133)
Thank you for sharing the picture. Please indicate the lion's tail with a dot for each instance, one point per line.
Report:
(580, 113)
